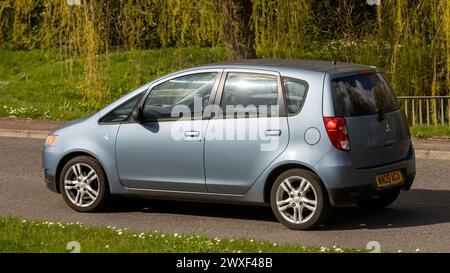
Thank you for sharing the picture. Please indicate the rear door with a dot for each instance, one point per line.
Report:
(248, 133)
(379, 133)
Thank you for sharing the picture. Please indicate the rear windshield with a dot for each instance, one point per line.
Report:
(360, 95)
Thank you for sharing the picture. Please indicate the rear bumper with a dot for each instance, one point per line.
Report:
(346, 184)
(350, 195)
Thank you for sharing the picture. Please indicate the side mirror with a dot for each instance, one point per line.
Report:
(137, 115)
(140, 116)
(149, 116)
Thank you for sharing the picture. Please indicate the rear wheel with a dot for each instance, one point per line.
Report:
(83, 184)
(380, 200)
(299, 200)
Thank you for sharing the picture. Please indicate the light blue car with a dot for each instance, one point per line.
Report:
(302, 136)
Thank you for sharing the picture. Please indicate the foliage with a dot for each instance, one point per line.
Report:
(236, 33)
(408, 39)
(434, 131)
(34, 84)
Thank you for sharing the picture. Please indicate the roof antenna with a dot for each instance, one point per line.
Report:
(332, 52)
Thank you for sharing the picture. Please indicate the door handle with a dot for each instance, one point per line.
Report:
(273, 132)
(192, 136)
(191, 133)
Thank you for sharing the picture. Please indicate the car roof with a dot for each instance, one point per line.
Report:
(305, 65)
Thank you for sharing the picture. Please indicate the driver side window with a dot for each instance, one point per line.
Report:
(187, 94)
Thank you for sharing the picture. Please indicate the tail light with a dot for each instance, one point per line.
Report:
(337, 132)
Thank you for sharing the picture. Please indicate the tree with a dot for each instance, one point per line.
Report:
(237, 31)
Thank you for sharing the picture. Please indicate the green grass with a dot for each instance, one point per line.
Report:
(36, 84)
(432, 131)
(23, 236)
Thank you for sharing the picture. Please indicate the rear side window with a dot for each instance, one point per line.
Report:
(249, 94)
(364, 94)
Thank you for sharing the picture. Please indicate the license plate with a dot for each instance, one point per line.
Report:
(389, 179)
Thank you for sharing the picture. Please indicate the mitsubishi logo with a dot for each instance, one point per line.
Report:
(388, 128)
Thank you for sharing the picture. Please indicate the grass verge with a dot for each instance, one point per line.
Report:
(432, 131)
(38, 84)
(22, 236)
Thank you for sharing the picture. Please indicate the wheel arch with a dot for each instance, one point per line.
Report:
(66, 158)
(270, 179)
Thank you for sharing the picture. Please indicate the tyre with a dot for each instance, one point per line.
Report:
(299, 200)
(83, 184)
(379, 201)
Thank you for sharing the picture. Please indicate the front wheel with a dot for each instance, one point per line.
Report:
(299, 200)
(83, 184)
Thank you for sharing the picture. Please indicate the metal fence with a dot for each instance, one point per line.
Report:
(426, 110)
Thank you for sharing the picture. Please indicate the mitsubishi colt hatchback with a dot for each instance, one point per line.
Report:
(300, 136)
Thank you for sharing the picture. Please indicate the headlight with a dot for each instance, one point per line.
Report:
(51, 139)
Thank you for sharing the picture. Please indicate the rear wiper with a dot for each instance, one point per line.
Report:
(381, 115)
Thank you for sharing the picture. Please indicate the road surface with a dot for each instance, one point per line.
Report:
(418, 221)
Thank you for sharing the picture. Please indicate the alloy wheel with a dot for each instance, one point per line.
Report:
(296, 199)
(81, 185)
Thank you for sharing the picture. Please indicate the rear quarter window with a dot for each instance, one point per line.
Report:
(359, 95)
(295, 93)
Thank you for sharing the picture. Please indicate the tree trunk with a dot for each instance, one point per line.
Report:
(239, 37)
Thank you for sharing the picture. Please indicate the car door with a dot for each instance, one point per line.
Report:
(165, 152)
(248, 133)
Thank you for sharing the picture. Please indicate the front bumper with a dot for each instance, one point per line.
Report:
(346, 184)
(50, 181)
(50, 158)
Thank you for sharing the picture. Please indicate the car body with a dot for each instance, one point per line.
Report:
(338, 123)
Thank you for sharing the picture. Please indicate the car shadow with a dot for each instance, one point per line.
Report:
(249, 212)
(418, 207)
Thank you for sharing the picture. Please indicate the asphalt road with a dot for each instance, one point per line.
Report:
(420, 219)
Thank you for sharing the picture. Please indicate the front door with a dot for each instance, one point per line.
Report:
(166, 151)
